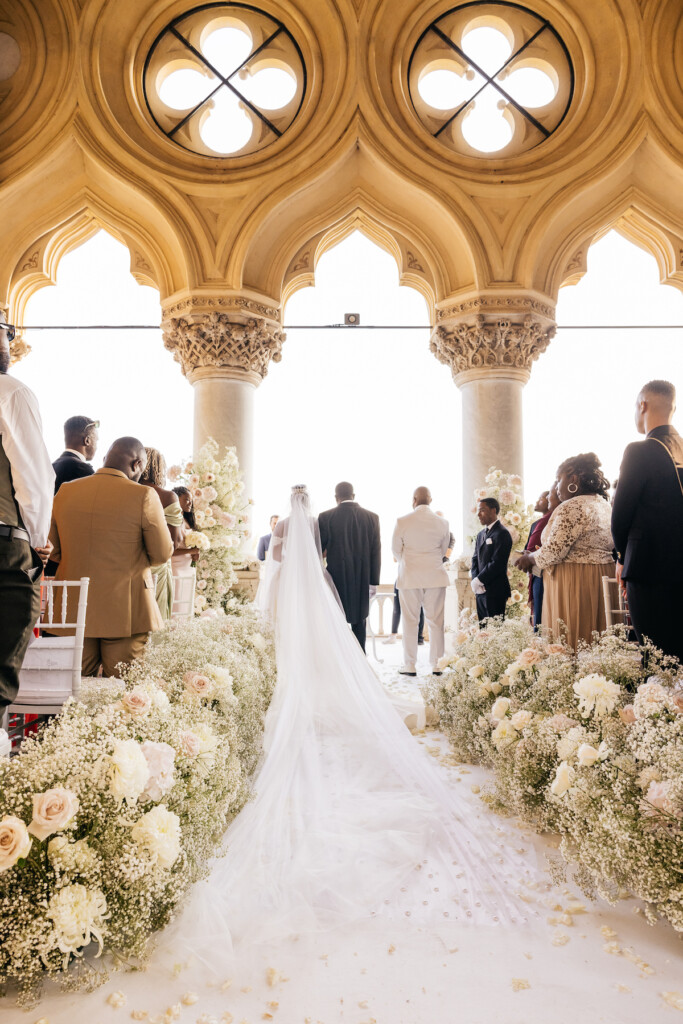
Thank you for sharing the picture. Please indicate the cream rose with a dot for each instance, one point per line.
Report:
(504, 734)
(528, 657)
(52, 811)
(556, 649)
(520, 719)
(587, 755)
(158, 833)
(476, 671)
(659, 795)
(197, 684)
(500, 708)
(136, 703)
(563, 779)
(15, 842)
(129, 771)
(159, 758)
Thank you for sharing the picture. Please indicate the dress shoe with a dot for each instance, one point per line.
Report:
(435, 673)
(407, 672)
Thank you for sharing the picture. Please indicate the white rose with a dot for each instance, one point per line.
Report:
(500, 708)
(587, 755)
(52, 811)
(160, 700)
(160, 758)
(476, 671)
(259, 642)
(158, 833)
(520, 719)
(136, 703)
(15, 842)
(496, 688)
(563, 779)
(504, 734)
(78, 915)
(208, 742)
(129, 771)
(569, 744)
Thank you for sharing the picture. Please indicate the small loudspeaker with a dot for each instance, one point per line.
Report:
(352, 319)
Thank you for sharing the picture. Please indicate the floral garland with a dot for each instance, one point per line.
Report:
(220, 511)
(588, 745)
(517, 518)
(109, 816)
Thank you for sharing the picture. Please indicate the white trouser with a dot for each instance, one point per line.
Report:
(432, 599)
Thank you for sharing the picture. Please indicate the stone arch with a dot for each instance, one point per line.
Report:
(77, 198)
(287, 232)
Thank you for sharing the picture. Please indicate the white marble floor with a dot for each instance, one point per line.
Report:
(587, 963)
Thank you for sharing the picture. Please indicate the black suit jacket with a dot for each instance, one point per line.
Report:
(647, 515)
(69, 467)
(490, 561)
(349, 535)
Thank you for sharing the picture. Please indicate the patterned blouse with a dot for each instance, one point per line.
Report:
(579, 530)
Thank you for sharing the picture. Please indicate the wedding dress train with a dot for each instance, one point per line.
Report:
(348, 819)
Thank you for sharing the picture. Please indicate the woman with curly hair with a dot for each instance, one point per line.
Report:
(576, 552)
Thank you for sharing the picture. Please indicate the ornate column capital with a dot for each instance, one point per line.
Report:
(501, 342)
(211, 342)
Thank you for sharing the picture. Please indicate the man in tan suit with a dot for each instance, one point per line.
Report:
(110, 528)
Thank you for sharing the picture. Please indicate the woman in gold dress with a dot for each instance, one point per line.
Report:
(154, 476)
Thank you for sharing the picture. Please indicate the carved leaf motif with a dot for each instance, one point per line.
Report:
(32, 261)
(414, 263)
(212, 339)
(493, 343)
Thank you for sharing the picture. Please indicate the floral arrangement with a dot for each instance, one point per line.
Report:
(110, 815)
(517, 518)
(221, 514)
(589, 745)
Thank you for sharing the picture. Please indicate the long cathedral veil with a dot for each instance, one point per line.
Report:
(349, 818)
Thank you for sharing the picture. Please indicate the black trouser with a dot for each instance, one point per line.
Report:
(396, 618)
(490, 604)
(358, 630)
(537, 594)
(20, 572)
(656, 611)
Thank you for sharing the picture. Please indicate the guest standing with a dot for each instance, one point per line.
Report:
(26, 489)
(350, 540)
(546, 505)
(419, 544)
(183, 557)
(154, 476)
(80, 445)
(264, 541)
(647, 521)
(110, 529)
(489, 569)
(576, 552)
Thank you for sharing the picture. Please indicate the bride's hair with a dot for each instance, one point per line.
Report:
(300, 496)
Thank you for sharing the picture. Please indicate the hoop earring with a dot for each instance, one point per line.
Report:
(572, 488)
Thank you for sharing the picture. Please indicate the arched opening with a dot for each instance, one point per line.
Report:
(370, 406)
(582, 392)
(123, 378)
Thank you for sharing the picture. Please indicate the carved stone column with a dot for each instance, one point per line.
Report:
(224, 346)
(489, 344)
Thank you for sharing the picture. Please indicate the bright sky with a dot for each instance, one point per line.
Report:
(374, 407)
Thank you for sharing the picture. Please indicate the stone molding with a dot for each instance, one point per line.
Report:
(496, 304)
(210, 341)
(223, 303)
(491, 346)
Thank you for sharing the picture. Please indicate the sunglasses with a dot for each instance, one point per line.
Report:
(10, 330)
(89, 426)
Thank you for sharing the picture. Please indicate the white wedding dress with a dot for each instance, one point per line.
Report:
(349, 819)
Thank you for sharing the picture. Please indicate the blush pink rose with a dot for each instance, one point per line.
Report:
(136, 703)
(529, 656)
(189, 743)
(52, 811)
(199, 685)
(658, 796)
(561, 723)
(627, 714)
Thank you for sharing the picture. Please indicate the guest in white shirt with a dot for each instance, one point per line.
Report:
(419, 545)
(26, 489)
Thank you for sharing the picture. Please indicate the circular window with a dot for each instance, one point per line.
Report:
(224, 80)
(490, 79)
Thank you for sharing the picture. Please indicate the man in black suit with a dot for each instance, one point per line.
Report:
(349, 537)
(647, 521)
(80, 444)
(489, 570)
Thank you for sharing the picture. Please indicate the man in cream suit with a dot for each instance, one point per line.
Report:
(419, 546)
(106, 526)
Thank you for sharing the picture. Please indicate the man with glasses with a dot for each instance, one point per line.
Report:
(80, 445)
(26, 489)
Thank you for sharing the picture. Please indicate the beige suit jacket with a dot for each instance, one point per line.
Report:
(111, 529)
(419, 544)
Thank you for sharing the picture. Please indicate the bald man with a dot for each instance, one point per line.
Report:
(419, 545)
(647, 521)
(108, 527)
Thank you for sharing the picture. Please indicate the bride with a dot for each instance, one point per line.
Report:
(349, 818)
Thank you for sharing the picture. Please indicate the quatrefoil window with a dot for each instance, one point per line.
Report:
(224, 80)
(490, 79)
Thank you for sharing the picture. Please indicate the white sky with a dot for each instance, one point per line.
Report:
(374, 407)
